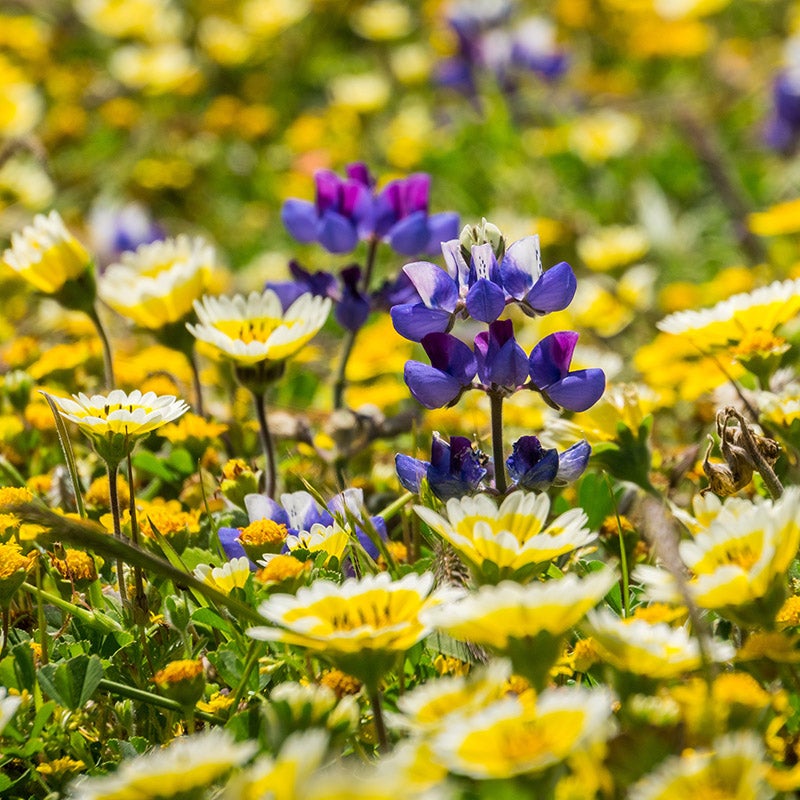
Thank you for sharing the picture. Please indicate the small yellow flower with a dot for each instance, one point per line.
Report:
(263, 536)
(60, 767)
(13, 571)
(613, 247)
(231, 575)
(778, 219)
(789, 614)
(772, 646)
(584, 655)
(192, 426)
(341, 683)
(217, 702)
(76, 566)
(182, 681)
(97, 494)
(449, 665)
(280, 568)
(46, 254)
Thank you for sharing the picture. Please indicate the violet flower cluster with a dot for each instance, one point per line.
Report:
(481, 277)
(488, 41)
(348, 210)
(782, 130)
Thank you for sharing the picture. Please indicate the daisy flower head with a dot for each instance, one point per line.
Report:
(231, 575)
(512, 541)
(8, 707)
(331, 539)
(511, 737)
(739, 564)
(114, 422)
(731, 320)
(361, 626)
(733, 767)
(186, 765)
(525, 622)
(158, 283)
(46, 254)
(252, 329)
(650, 649)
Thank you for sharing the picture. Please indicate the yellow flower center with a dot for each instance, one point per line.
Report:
(12, 495)
(177, 671)
(340, 682)
(281, 568)
(263, 531)
(257, 329)
(760, 343)
(76, 566)
(11, 561)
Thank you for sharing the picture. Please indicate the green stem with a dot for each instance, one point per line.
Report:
(88, 617)
(252, 660)
(113, 497)
(198, 386)
(141, 614)
(266, 443)
(496, 401)
(340, 382)
(108, 364)
(132, 693)
(623, 555)
(377, 715)
(41, 620)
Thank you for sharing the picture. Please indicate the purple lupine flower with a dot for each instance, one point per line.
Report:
(534, 48)
(782, 130)
(348, 210)
(401, 218)
(535, 468)
(340, 214)
(456, 468)
(550, 374)
(537, 292)
(449, 375)
(351, 305)
(298, 511)
(115, 229)
(473, 289)
(502, 363)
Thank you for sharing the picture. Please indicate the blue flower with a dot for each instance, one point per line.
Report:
(347, 210)
(550, 374)
(455, 469)
(538, 292)
(298, 511)
(450, 373)
(535, 468)
(502, 363)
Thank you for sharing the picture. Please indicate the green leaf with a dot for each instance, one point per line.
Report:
(181, 460)
(73, 682)
(209, 618)
(146, 461)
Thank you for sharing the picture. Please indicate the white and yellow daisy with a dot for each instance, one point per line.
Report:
(158, 283)
(729, 321)
(231, 575)
(188, 764)
(734, 767)
(429, 706)
(248, 330)
(114, 422)
(515, 736)
(331, 539)
(295, 706)
(526, 623)
(656, 650)
(512, 541)
(8, 707)
(361, 625)
(46, 254)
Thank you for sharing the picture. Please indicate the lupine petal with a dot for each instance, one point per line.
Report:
(579, 390)
(328, 194)
(259, 506)
(572, 462)
(429, 386)
(521, 267)
(415, 322)
(530, 465)
(451, 355)
(336, 233)
(410, 235)
(228, 538)
(287, 291)
(417, 193)
(410, 471)
(434, 286)
(457, 267)
(553, 291)
(550, 359)
(299, 217)
(441, 228)
(485, 300)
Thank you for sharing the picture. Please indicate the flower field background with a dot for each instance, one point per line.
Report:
(399, 399)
